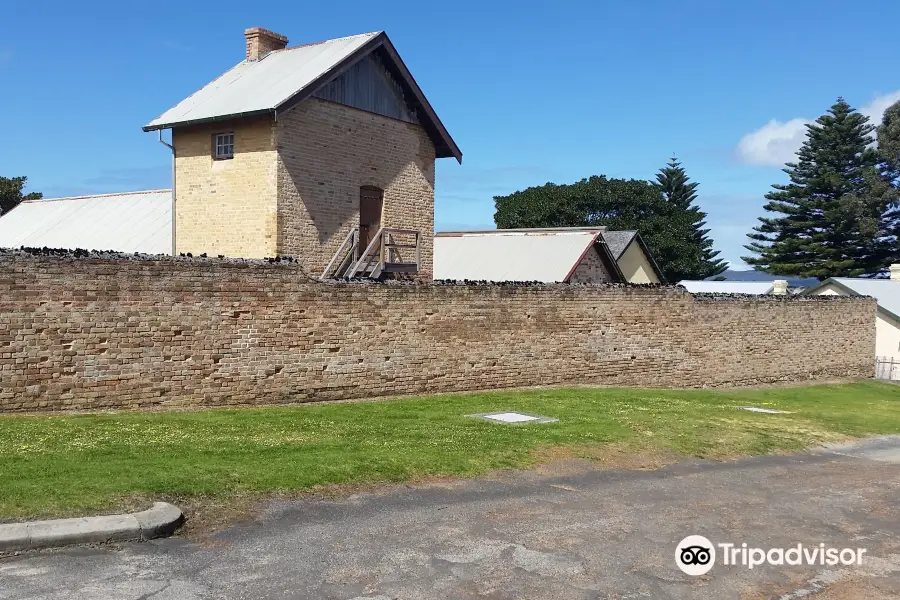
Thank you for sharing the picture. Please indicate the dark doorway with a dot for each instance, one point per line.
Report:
(371, 200)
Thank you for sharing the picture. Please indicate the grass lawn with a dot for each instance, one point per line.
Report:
(65, 465)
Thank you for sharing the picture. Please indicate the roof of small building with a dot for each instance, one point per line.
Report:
(727, 287)
(546, 255)
(284, 77)
(885, 291)
(125, 222)
(618, 241)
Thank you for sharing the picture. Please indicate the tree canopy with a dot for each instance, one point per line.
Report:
(830, 219)
(11, 193)
(613, 203)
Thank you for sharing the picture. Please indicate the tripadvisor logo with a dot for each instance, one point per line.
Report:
(696, 555)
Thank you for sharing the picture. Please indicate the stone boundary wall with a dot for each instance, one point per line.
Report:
(95, 332)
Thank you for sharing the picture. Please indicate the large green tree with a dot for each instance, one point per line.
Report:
(889, 149)
(11, 193)
(829, 220)
(699, 259)
(601, 201)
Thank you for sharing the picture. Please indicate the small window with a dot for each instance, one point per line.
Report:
(223, 146)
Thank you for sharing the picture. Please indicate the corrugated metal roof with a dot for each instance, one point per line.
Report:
(510, 255)
(886, 291)
(260, 85)
(727, 287)
(126, 222)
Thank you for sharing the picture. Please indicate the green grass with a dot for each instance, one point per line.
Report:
(60, 465)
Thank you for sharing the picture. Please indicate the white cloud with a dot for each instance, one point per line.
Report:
(875, 109)
(776, 143)
(773, 144)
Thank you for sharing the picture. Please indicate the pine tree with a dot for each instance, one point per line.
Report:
(889, 150)
(829, 220)
(889, 139)
(698, 259)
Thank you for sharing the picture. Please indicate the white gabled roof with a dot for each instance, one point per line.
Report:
(727, 287)
(885, 291)
(261, 85)
(125, 222)
(510, 256)
(283, 77)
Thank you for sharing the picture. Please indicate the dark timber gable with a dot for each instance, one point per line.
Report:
(369, 86)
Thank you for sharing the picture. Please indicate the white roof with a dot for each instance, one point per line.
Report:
(260, 85)
(125, 222)
(727, 287)
(886, 291)
(510, 256)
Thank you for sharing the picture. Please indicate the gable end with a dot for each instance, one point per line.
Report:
(369, 86)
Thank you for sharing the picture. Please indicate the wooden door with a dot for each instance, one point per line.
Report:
(371, 200)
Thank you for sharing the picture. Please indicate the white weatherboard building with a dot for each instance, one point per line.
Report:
(887, 318)
(124, 222)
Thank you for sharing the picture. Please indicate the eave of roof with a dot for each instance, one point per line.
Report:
(444, 144)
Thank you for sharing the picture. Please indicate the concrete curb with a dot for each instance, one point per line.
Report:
(160, 520)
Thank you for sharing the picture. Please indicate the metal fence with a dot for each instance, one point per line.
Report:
(887, 368)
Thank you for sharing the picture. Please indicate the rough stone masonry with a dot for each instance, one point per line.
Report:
(101, 332)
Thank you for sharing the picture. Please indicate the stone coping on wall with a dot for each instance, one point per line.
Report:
(281, 262)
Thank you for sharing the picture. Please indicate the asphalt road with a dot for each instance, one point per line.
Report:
(581, 533)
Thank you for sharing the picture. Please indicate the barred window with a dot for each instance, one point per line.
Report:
(224, 146)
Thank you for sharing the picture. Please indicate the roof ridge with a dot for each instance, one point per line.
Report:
(345, 37)
(523, 230)
(107, 195)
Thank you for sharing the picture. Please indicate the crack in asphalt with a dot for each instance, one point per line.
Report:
(149, 595)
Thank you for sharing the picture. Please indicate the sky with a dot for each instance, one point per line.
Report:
(531, 92)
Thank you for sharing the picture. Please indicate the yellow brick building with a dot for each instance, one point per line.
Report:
(302, 151)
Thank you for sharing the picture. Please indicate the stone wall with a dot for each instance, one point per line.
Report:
(91, 333)
(326, 152)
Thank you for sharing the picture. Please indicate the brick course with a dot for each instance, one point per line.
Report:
(91, 333)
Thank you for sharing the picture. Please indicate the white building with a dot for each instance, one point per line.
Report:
(548, 255)
(887, 319)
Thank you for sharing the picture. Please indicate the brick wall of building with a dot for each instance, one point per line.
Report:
(226, 207)
(591, 269)
(94, 334)
(326, 152)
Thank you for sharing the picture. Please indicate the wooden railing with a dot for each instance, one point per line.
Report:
(384, 254)
(345, 256)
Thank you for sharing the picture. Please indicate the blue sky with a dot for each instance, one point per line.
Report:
(531, 92)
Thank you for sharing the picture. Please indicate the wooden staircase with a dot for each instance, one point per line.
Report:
(391, 250)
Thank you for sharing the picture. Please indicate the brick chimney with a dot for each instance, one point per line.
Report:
(895, 272)
(262, 41)
(779, 287)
